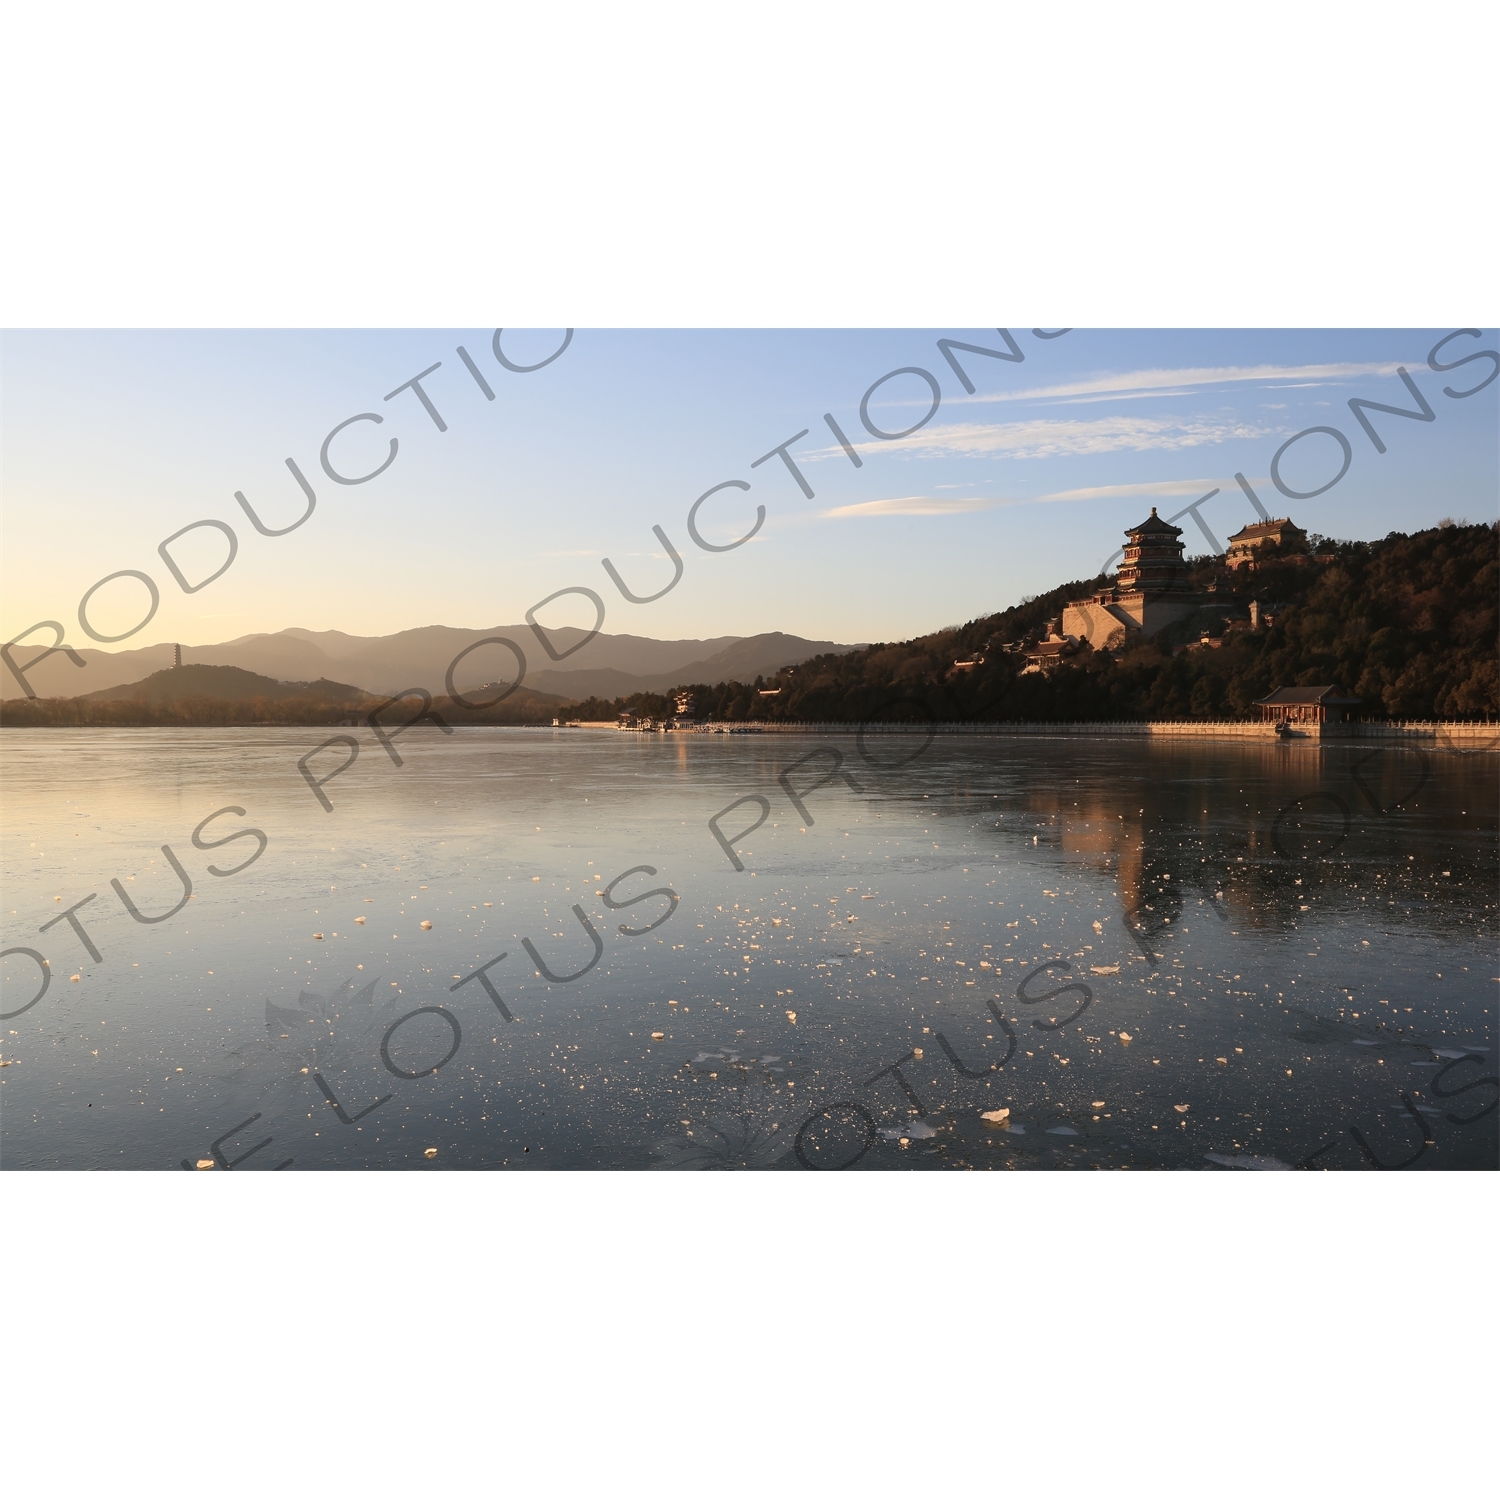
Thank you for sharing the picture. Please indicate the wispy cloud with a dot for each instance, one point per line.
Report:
(927, 505)
(911, 505)
(1153, 394)
(1043, 438)
(1113, 385)
(1164, 487)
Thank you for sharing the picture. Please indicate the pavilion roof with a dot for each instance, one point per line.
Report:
(1331, 695)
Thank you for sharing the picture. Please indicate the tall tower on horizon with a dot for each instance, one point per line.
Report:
(177, 650)
(1152, 590)
(1153, 561)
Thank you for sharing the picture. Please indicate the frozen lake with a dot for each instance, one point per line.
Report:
(1177, 954)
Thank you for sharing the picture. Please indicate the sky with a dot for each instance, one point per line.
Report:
(115, 440)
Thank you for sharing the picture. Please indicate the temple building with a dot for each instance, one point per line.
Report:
(1153, 562)
(1306, 705)
(1264, 541)
(1152, 590)
(1051, 652)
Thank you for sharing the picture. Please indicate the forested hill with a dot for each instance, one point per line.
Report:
(225, 685)
(1410, 624)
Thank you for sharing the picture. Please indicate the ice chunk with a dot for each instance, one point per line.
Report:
(724, 1143)
(1249, 1163)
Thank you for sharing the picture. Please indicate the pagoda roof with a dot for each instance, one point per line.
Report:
(1330, 695)
(1152, 524)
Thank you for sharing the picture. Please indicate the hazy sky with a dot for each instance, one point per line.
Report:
(114, 440)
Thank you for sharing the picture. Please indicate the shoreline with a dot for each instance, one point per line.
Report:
(1459, 736)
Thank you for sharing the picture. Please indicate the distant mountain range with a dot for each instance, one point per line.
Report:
(205, 696)
(609, 666)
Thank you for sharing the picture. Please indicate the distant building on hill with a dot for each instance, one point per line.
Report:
(1152, 590)
(1046, 655)
(1266, 539)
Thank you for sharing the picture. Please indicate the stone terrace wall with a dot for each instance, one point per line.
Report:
(1455, 736)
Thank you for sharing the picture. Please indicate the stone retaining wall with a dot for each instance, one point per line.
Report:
(1452, 736)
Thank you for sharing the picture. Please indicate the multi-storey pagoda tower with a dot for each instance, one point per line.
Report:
(1151, 591)
(1153, 561)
